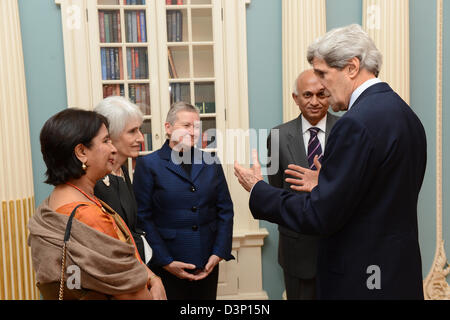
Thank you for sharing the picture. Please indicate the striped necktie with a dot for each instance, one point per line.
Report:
(314, 147)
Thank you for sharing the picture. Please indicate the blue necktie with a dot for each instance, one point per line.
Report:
(314, 147)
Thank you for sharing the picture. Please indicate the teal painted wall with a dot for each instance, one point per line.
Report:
(265, 109)
(343, 12)
(423, 102)
(45, 75)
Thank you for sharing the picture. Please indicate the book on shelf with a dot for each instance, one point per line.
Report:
(143, 26)
(137, 63)
(110, 29)
(180, 92)
(139, 94)
(172, 70)
(113, 90)
(206, 107)
(111, 63)
(134, 2)
(101, 21)
(135, 28)
(147, 144)
(174, 26)
(172, 2)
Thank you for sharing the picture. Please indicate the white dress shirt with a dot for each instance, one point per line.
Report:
(322, 125)
(361, 89)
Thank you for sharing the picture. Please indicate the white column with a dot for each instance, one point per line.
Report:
(387, 23)
(74, 16)
(16, 176)
(303, 22)
(436, 286)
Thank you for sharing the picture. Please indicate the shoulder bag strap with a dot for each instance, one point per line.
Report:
(63, 260)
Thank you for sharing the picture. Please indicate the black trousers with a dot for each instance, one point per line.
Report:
(299, 289)
(182, 289)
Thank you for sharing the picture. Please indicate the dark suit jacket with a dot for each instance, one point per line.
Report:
(297, 253)
(365, 204)
(119, 196)
(186, 218)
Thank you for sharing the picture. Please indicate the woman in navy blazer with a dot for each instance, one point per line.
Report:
(185, 208)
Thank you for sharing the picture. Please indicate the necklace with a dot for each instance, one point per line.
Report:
(93, 199)
(119, 172)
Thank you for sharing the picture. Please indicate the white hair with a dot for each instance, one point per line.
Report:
(119, 111)
(295, 87)
(340, 45)
(177, 107)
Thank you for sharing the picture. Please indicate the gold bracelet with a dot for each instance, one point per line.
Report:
(151, 278)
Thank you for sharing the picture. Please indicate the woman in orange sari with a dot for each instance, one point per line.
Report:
(77, 151)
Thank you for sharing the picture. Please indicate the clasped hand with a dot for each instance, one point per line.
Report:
(178, 269)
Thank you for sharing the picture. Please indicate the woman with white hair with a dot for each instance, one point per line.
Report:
(125, 120)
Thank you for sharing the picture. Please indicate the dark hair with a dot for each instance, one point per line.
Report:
(59, 137)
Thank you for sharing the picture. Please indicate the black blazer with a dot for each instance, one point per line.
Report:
(365, 205)
(119, 195)
(297, 253)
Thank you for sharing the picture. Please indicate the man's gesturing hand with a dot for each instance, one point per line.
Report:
(249, 177)
(305, 179)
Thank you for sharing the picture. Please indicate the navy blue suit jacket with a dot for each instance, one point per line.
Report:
(185, 218)
(365, 204)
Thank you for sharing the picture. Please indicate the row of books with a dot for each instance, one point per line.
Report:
(110, 28)
(134, 2)
(146, 129)
(180, 92)
(176, 2)
(206, 107)
(174, 25)
(111, 59)
(140, 95)
(112, 68)
(113, 90)
(109, 22)
(135, 26)
(137, 63)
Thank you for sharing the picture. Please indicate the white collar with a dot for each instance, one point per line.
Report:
(361, 89)
(322, 124)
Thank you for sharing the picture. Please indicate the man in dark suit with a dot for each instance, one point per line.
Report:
(299, 139)
(364, 200)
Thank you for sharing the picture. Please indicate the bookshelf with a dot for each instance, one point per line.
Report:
(124, 47)
(156, 52)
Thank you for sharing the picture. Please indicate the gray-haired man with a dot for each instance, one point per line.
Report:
(364, 200)
(299, 141)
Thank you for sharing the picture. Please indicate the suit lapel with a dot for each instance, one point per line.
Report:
(331, 120)
(166, 154)
(197, 165)
(295, 143)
